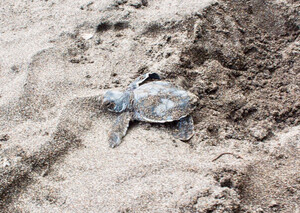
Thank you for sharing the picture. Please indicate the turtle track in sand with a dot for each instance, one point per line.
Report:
(239, 58)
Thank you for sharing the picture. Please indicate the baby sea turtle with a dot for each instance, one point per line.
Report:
(155, 102)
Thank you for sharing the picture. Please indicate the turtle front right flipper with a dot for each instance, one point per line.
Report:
(119, 129)
(143, 78)
(184, 128)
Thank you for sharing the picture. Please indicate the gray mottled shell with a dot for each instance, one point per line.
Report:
(161, 102)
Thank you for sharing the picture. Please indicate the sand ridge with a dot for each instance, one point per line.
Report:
(240, 59)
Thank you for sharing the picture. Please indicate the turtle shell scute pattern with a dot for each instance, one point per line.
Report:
(161, 102)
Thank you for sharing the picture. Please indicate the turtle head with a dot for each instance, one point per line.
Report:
(116, 101)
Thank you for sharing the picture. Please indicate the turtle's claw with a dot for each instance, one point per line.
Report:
(114, 140)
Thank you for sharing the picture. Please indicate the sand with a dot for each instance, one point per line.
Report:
(58, 58)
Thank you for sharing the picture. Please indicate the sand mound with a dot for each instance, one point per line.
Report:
(241, 58)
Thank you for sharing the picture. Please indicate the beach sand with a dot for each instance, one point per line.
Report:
(58, 58)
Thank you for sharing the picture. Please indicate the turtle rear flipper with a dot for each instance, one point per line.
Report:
(119, 129)
(143, 78)
(184, 128)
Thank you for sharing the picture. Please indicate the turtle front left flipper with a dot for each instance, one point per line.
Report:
(184, 128)
(143, 78)
(119, 129)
